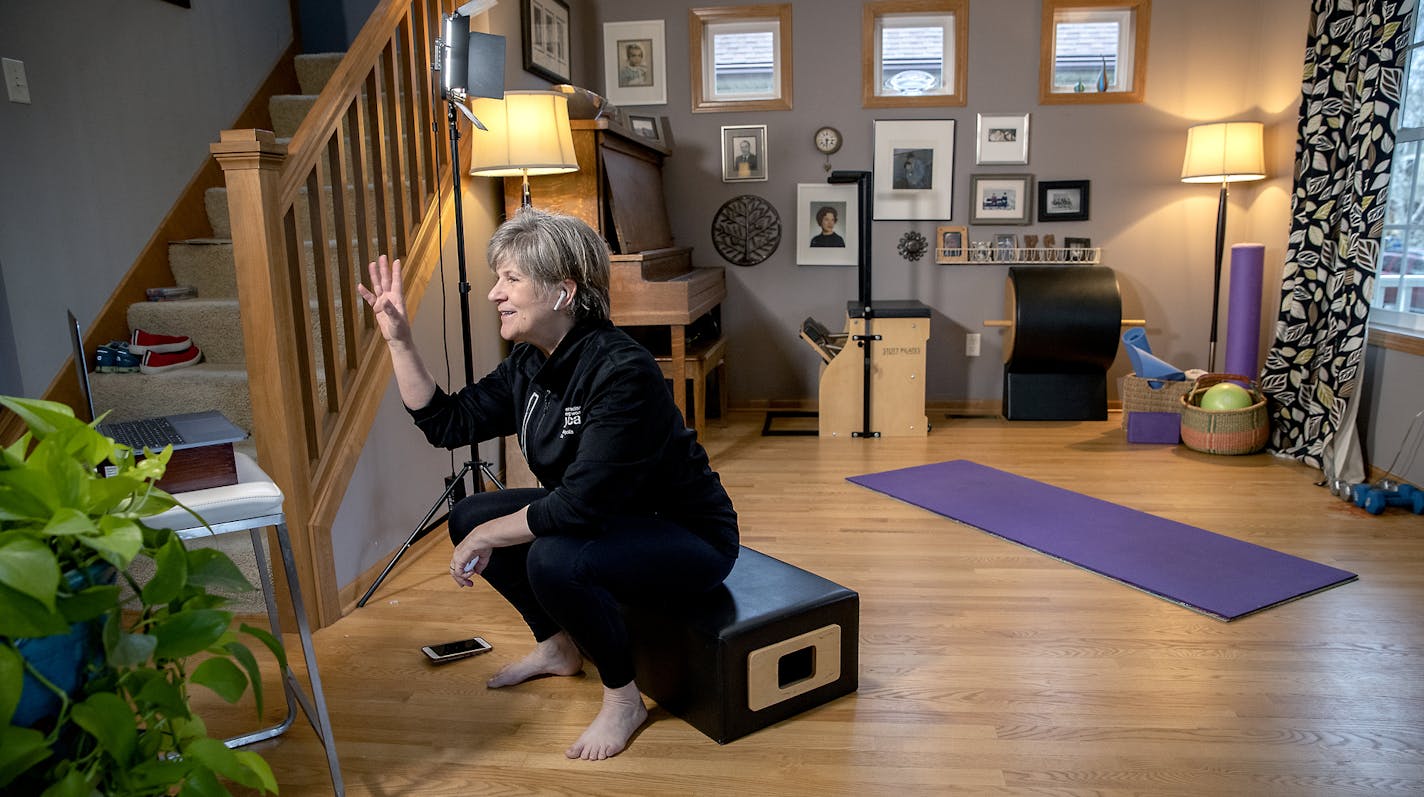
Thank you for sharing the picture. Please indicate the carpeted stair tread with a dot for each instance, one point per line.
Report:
(205, 264)
(213, 324)
(205, 386)
(288, 111)
(315, 69)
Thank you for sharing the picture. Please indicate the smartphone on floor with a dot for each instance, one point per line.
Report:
(450, 651)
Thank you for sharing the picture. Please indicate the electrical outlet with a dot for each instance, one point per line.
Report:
(17, 86)
(971, 344)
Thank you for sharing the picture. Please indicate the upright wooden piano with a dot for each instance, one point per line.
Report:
(618, 190)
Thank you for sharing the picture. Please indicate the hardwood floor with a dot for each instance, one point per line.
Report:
(985, 668)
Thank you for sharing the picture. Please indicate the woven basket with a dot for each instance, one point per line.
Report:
(1242, 431)
(1138, 395)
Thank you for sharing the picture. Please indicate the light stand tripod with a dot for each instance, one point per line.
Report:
(491, 52)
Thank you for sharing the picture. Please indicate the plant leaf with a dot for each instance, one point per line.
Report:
(221, 676)
(88, 603)
(248, 661)
(118, 542)
(109, 719)
(259, 766)
(28, 566)
(73, 784)
(20, 749)
(157, 692)
(188, 632)
(203, 783)
(273, 644)
(23, 616)
(213, 569)
(42, 417)
(171, 575)
(12, 681)
(68, 521)
(214, 755)
(123, 649)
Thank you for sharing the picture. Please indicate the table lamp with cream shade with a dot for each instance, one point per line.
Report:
(1222, 152)
(528, 135)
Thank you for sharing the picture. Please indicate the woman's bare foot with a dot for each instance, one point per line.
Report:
(623, 713)
(557, 655)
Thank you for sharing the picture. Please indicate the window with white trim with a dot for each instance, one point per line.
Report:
(1399, 282)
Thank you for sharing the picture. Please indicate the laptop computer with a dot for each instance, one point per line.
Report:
(182, 431)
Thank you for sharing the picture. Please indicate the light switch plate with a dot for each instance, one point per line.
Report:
(17, 86)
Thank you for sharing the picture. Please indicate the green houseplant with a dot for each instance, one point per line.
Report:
(66, 535)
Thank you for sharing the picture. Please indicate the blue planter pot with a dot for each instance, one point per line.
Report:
(64, 659)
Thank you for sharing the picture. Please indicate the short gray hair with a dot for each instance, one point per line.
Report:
(550, 248)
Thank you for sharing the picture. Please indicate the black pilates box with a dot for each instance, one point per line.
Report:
(772, 641)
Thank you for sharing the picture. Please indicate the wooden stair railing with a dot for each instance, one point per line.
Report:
(370, 129)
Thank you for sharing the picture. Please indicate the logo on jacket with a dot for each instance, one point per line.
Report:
(573, 418)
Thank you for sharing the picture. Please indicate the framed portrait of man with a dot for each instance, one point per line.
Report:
(744, 153)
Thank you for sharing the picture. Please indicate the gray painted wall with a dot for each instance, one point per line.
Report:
(126, 98)
(1209, 60)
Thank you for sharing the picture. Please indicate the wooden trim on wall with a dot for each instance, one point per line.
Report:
(187, 218)
(1396, 341)
(868, 78)
(699, 18)
(1142, 10)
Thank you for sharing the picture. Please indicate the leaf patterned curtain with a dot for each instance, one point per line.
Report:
(1353, 76)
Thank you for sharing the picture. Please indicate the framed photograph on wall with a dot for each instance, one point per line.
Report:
(914, 169)
(826, 218)
(1000, 198)
(649, 127)
(744, 154)
(544, 31)
(1002, 138)
(951, 244)
(635, 62)
(1063, 200)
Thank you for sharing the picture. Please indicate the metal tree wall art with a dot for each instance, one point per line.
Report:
(746, 230)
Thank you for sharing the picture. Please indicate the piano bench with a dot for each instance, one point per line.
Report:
(769, 643)
(699, 361)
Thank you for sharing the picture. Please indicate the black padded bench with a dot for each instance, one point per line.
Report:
(771, 642)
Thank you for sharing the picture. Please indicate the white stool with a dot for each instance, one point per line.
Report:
(251, 505)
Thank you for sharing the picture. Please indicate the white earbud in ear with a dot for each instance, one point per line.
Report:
(559, 302)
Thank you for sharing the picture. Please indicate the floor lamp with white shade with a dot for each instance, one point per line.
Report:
(1222, 152)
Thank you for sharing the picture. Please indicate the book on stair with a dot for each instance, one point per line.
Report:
(202, 441)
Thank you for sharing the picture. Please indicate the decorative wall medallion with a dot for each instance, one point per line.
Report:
(746, 230)
(913, 246)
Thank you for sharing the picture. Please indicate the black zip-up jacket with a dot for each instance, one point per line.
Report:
(598, 428)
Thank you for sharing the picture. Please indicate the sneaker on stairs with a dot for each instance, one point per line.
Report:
(156, 362)
(141, 342)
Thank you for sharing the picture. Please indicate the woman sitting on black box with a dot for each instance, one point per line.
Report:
(630, 509)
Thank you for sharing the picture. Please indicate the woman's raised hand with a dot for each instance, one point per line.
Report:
(387, 300)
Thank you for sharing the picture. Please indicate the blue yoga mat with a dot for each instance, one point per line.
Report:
(1216, 575)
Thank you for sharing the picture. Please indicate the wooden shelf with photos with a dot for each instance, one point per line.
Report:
(955, 248)
(1019, 256)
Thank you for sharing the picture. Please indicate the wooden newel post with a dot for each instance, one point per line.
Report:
(252, 162)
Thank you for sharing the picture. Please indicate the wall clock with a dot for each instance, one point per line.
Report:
(828, 142)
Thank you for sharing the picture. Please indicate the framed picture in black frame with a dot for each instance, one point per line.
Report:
(1063, 200)
(544, 32)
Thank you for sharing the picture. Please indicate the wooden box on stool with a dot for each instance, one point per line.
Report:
(774, 640)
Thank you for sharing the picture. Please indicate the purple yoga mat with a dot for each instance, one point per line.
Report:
(1199, 569)
(1243, 311)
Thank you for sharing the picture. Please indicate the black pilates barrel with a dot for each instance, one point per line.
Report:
(1064, 319)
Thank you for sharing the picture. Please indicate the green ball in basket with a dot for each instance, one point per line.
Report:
(1226, 396)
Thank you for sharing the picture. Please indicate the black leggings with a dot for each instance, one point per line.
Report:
(574, 584)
